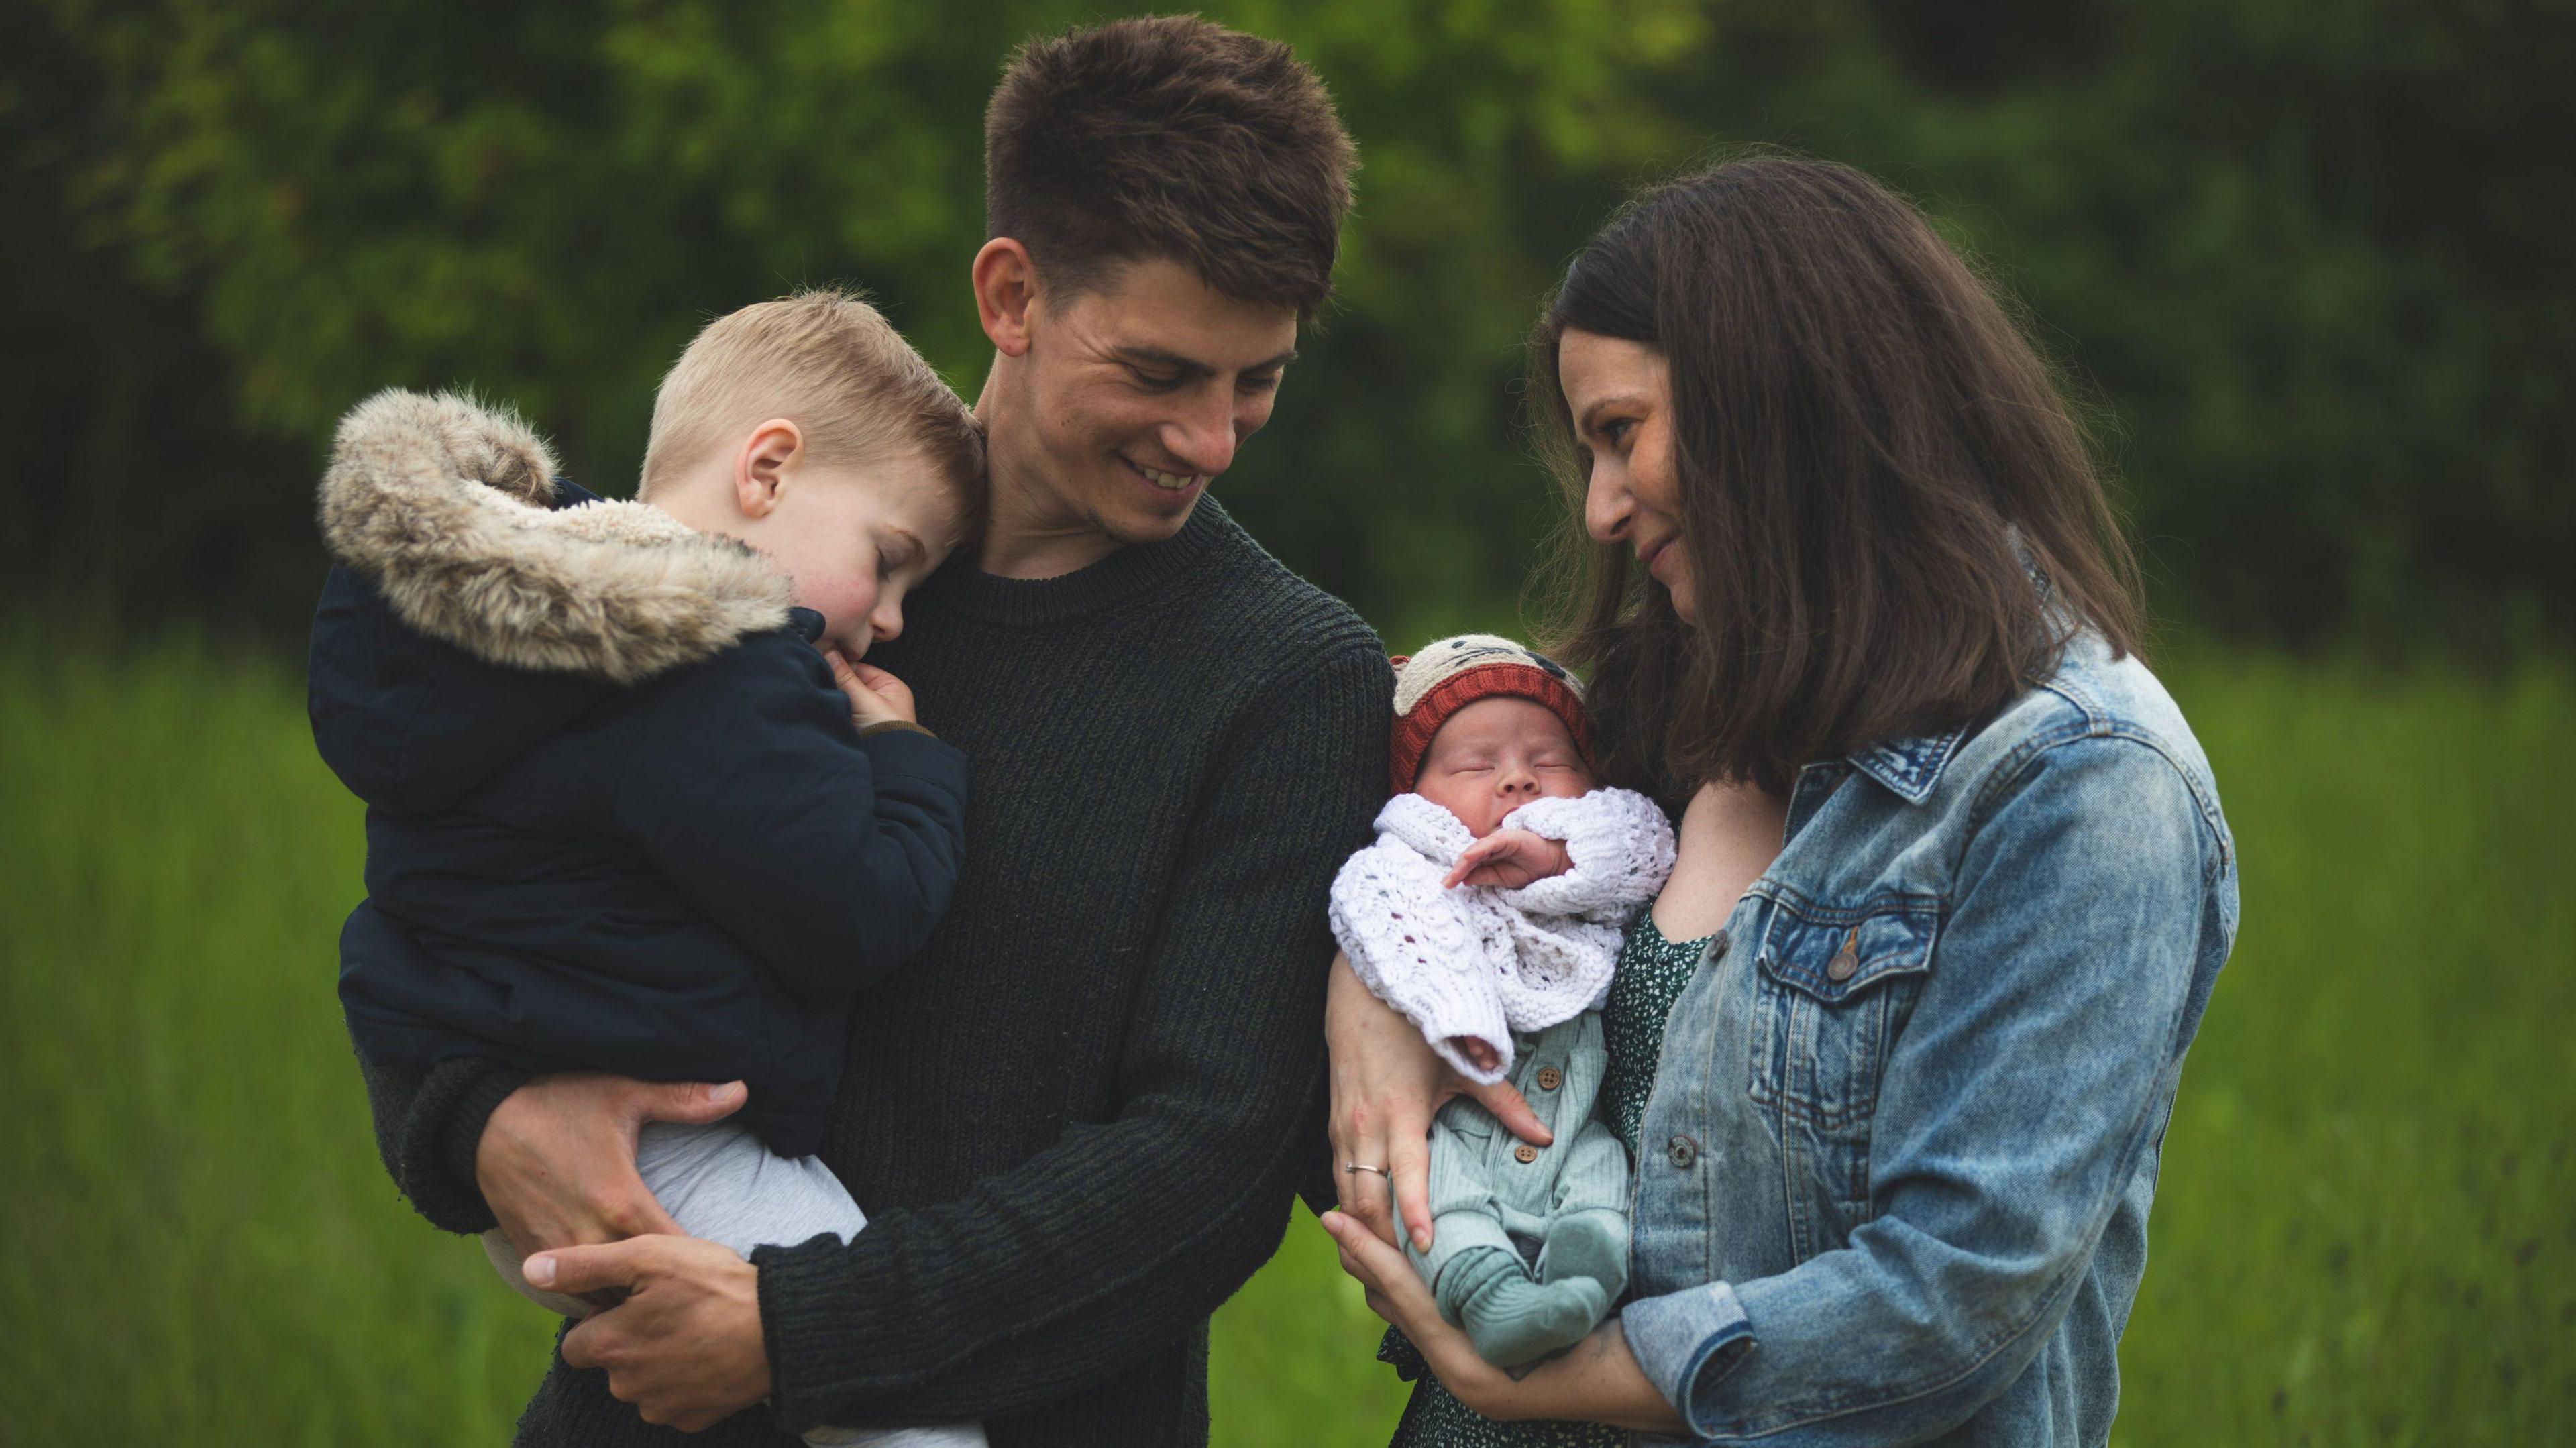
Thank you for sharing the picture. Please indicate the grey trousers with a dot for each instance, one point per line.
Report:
(718, 1182)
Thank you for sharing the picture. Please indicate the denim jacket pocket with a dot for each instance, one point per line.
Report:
(1833, 986)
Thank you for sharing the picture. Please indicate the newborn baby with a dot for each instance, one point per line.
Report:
(1489, 911)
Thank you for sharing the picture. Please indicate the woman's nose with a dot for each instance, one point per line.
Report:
(1607, 505)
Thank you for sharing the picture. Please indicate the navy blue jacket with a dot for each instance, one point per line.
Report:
(682, 877)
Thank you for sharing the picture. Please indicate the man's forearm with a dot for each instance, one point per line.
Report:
(427, 1124)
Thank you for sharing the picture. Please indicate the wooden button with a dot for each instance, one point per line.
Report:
(1525, 1153)
(1549, 1078)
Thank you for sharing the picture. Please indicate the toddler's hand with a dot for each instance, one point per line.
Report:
(876, 697)
(1509, 859)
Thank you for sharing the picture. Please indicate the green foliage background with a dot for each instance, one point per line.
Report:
(2311, 257)
(2306, 262)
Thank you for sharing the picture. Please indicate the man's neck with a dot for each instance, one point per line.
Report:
(1030, 531)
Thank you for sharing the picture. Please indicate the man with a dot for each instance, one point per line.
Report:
(1077, 1120)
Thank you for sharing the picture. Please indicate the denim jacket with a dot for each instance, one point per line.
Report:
(1892, 1184)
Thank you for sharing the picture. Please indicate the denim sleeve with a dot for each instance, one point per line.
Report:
(2016, 1101)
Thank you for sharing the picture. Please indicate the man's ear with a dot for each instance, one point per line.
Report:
(760, 469)
(1006, 284)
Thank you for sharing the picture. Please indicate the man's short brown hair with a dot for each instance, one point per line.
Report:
(828, 362)
(1170, 136)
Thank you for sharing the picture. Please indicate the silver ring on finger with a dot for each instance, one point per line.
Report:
(1363, 1166)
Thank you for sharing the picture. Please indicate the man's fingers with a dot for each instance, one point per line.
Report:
(576, 1270)
(693, 1103)
(1513, 1110)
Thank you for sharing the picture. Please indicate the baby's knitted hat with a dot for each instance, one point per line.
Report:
(1450, 674)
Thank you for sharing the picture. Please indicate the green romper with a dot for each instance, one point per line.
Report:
(1651, 975)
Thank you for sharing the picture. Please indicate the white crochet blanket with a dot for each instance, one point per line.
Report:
(1481, 962)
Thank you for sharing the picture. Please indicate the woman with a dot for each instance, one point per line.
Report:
(1895, 1049)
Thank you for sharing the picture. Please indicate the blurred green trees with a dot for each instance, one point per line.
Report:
(2309, 257)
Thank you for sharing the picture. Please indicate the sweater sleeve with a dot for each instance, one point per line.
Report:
(429, 1125)
(1620, 846)
(1127, 1233)
(831, 856)
(1426, 950)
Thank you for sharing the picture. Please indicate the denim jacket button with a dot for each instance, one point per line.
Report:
(1549, 1078)
(1846, 960)
(1525, 1153)
(1682, 1151)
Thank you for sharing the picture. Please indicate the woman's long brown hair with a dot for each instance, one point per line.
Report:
(1862, 435)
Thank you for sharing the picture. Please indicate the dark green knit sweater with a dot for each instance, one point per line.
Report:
(1077, 1120)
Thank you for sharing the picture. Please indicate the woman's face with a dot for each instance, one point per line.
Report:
(1620, 395)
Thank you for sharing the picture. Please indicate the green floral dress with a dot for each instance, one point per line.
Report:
(1651, 974)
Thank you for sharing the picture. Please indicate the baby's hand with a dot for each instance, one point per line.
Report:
(1509, 859)
(876, 697)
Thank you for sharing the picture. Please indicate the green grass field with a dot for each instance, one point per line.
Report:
(2366, 1233)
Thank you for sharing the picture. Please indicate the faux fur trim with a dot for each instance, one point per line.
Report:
(443, 502)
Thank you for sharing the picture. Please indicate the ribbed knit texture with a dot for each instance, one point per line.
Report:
(1076, 1122)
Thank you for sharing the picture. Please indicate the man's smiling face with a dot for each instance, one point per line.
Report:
(1141, 387)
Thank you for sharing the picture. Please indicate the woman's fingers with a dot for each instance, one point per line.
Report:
(1409, 1165)
(1512, 1109)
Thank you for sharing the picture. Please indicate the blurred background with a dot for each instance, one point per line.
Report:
(2306, 265)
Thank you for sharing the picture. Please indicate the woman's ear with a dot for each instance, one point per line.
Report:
(760, 470)
(1006, 283)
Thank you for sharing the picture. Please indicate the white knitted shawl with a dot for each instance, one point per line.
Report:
(1480, 962)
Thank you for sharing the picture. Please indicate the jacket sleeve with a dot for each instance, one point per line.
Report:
(830, 855)
(2035, 1069)
(1126, 1234)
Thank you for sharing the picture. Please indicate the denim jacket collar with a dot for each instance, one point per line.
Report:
(1910, 767)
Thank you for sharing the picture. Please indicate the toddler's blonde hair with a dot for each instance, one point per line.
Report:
(830, 363)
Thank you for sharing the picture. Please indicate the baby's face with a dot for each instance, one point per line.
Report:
(1496, 755)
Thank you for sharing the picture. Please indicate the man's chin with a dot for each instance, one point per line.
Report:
(1136, 525)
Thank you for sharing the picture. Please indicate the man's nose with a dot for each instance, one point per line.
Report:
(1202, 439)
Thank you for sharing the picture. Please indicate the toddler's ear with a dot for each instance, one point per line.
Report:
(760, 469)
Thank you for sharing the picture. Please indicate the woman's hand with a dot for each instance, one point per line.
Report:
(684, 1345)
(1597, 1381)
(557, 1159)
(1387, 1082)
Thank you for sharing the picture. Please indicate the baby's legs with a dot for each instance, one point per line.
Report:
(718, 1182)
(1512, 1317)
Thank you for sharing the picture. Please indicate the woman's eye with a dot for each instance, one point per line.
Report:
(1616, 430)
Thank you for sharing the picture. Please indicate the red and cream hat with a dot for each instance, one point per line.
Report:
(1450, 674)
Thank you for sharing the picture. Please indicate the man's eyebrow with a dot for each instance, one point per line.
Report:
(1190, 367)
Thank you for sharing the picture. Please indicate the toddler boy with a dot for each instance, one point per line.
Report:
(633, 804)
(1489, 911)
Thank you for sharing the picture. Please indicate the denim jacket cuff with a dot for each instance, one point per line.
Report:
(1686, 1343)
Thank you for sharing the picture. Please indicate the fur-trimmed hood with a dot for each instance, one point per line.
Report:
(450, 508)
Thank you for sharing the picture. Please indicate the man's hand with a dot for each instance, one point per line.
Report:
(557, 1159)
(684, 1346)
(876, 697)
(1387, 1082)
(1509, 859)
